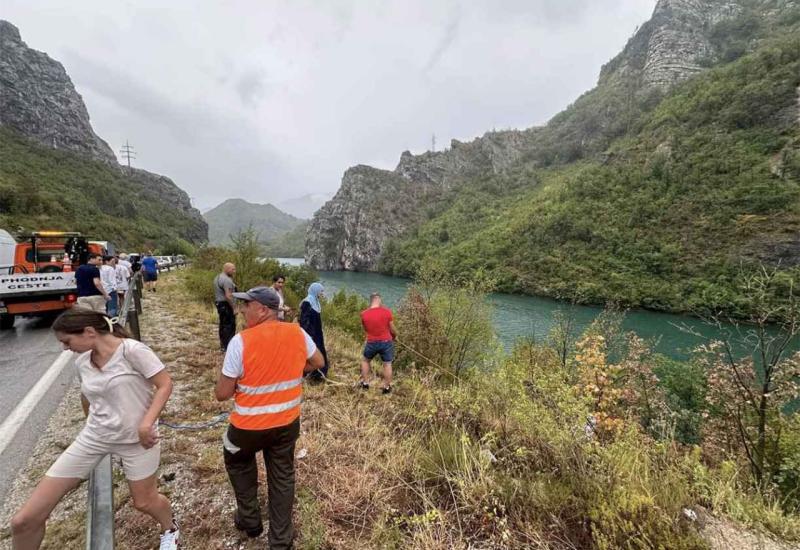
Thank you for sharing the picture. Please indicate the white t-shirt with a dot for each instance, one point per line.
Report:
(123, 273)
(233, 366)
(281, 313)
(108, 276)
(120, 393)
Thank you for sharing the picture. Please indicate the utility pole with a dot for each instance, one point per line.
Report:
(127, 153)
(433, 143)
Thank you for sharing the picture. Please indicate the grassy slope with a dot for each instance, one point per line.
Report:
(664, 222)
(43, 188)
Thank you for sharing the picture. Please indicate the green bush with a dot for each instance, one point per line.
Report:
(343, 310)
(251, 270)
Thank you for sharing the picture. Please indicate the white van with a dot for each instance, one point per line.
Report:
(7, 247)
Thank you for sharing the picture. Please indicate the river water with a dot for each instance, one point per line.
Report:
(525, 316)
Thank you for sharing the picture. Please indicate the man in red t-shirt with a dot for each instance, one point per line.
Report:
(379, 326)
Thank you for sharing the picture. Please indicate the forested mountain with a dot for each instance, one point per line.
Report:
(658, 188)
(234, 215)
(56, 173)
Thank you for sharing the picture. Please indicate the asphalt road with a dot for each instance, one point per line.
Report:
(26, 352)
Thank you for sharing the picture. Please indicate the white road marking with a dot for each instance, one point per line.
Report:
(12, 424)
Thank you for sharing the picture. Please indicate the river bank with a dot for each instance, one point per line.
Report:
(523, 317)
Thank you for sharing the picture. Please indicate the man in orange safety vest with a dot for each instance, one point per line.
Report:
(263, 371)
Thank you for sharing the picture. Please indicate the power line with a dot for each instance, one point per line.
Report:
(128, 153)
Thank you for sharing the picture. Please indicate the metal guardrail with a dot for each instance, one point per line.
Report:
(100, 508)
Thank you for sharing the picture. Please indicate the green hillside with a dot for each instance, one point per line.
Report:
(43, 188)
(289, 245)
(235, 215)
(688, 191)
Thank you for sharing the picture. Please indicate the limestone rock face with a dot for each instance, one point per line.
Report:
(162, 189)
(677, 42)
(373, 205)
(38, 100)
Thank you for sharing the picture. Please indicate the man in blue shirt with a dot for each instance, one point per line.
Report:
(150, 272)
(91, 293)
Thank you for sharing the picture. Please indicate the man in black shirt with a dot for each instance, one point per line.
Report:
(91, 294)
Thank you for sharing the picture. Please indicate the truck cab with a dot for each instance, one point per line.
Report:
(41, 280)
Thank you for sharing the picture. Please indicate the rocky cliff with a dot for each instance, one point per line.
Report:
(38, 101)
(683, 38)
(373, 205)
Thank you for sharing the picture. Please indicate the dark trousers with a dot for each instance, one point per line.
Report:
(227, 323)
(277, 446)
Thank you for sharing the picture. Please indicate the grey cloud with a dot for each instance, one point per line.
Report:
(448, 37)
(201, 145)
(250, 86)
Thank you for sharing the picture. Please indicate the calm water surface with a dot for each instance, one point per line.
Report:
(525, 316)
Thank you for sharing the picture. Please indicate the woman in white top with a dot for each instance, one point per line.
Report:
(124, 387)
(108, 276)
(123, 272)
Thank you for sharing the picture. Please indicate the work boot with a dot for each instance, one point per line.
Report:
(252, 533)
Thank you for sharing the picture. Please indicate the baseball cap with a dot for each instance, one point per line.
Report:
(264, 295)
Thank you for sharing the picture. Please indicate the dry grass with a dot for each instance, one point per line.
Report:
(350, 484)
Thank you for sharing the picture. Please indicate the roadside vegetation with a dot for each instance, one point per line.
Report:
(575, 441)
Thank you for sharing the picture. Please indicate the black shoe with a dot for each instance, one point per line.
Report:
(252, 533)
(364, 385)
(387, 390)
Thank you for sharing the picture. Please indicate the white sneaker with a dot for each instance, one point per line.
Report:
(169, 540)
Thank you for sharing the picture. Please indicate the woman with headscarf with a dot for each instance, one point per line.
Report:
(311, 322)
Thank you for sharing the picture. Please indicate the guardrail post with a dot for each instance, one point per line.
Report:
(133, 323)
(137, 292)
(100, 512)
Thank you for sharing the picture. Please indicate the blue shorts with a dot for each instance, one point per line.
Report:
(150, 276)
(385, 348)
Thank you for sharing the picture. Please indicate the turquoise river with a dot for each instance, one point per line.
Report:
(525, 316)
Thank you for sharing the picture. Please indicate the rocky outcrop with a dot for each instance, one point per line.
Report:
(38, 100)
(373, 205)
(682, 38)
(155, 187)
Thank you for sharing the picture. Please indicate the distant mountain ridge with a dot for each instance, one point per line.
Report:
(235, 215)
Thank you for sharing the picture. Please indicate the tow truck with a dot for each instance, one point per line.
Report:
(41, 281)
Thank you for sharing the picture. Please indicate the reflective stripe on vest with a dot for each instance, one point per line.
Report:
(270, 390)
(250, 411)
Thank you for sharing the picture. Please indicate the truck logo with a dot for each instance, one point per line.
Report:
(37, 281)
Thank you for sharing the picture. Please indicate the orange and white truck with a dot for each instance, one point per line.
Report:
(40, 280)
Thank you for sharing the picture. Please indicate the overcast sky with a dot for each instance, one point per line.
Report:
(269, 100)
